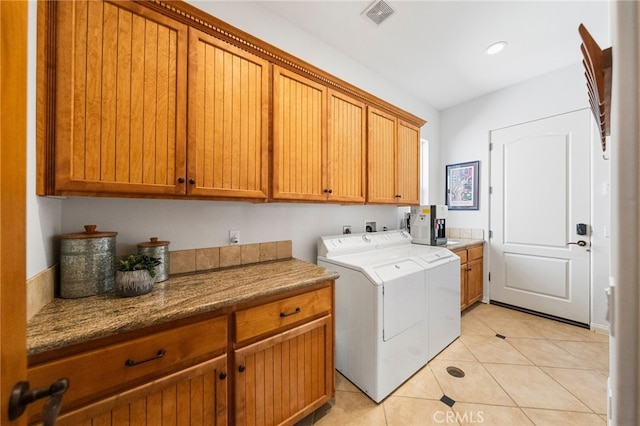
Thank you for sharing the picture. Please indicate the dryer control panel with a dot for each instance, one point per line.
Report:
(337, 245)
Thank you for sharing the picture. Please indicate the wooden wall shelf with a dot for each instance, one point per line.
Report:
(597, 64)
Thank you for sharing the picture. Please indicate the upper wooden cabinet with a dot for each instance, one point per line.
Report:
(408, 163)
(228, 120)
(161, 100)
(120, 100)
(346, 149)
(393, 166)
(299, 137)
(319, 142)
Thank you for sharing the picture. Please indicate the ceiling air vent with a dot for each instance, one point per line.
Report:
(378, 11)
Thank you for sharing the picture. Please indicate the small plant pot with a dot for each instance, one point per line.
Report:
(134, 283)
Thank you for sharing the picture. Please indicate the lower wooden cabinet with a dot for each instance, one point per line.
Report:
(286, 377)
(471, 274)
(102, 376)
(277, 367)
(194, 396)
(284, 358)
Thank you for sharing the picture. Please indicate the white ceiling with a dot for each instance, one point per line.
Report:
(435, 49)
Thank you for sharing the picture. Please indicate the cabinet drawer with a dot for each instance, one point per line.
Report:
(105, 370)
(273, 316)
(474, 252)
(462, 254)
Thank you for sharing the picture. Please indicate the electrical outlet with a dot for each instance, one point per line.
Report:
(346, 229)
(234, 238)
(370, 226)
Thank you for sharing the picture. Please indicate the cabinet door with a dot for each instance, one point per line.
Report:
(464, 299)
(381, 154)
(285, 377)
(299, 137)
(474, 280)
(346, 149)
(408, 164)
(228, 120)
(120, 90)
(197, 395)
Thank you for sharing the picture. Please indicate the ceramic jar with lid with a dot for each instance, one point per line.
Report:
(87, 263)
(159, 250)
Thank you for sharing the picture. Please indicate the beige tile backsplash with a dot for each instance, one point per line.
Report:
(41, 287)
(230, 256)
(466, 233)
(250, 253)
(40, 290)
(182, 261)
(207, 258)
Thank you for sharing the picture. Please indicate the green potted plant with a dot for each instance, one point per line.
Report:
(135, 274)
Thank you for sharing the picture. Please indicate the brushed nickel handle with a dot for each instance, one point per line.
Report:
(130, 362)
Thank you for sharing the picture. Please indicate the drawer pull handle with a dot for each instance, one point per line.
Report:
(284, 314)
(130, 363)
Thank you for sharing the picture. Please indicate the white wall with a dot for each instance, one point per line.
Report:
(464, 137)
(43, 214)
(624, 341)
(191, 224)
(198, 224)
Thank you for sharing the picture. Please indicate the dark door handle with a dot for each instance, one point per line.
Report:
(284, 314)
(581, 243)
(21, 396)
(130, 362)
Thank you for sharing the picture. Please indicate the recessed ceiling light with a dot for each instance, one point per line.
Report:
(496, 47)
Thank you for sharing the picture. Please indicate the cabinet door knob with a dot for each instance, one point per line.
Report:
(241, 368)
(398, 196)
(180, 180)
(192, 181)
(223, 375)
(328, 191)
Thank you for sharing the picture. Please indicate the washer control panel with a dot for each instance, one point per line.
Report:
(337, 245)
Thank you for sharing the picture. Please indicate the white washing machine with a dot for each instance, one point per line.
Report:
(397, 306)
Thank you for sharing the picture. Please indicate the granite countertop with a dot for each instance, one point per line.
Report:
(459, 243)
(65, 322)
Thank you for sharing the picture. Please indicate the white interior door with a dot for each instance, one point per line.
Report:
(540, 179)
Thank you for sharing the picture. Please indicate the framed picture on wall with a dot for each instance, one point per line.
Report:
(462, 186)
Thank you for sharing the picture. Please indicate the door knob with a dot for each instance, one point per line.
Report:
(581, 243)
(21, 396)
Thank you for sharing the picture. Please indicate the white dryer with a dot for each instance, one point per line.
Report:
(397, 305)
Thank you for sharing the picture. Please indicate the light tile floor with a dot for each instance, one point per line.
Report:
(542, 373)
